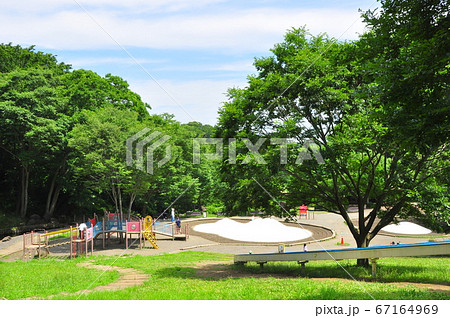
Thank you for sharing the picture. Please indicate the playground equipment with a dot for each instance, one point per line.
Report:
(148, 228)
(171, 230)
(373, 253)
(133, 228)
(306, 212)
(36, 243)
(148, 231)
(303, 212)
(39, 243)
(144, 229)
(80, 241)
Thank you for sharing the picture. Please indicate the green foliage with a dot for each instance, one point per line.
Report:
(62, 145)
(371, 107)
(33, 122)
(16, 57)
(88, 90)
(406, 52)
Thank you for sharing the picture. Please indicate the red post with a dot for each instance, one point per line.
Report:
(303, 211)
(126, 235)
(71, 242)
(46, 240)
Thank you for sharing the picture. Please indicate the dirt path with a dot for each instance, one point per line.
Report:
(130, 277)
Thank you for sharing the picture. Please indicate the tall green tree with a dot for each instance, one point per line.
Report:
(40, 102)
(406, 54)
(88, 90)
(33, 123)
(26, 72)
(13, 57)
(406, 57)
(100, 159)
(313, 88)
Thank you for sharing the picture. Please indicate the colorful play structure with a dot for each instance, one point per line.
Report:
(373, 253)
(306, 212)
(81, 238)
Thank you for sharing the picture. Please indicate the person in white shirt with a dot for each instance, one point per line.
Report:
(82, 227)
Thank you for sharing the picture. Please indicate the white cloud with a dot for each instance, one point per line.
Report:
(149, 5)
(233, 31)
(92, 61)
(220, 69)
(188, 101)
(137, 6)
(203, 27)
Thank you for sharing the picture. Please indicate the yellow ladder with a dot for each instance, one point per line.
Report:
(148, 231)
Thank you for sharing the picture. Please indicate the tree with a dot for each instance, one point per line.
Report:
(32, 121)
(406, 55)
(314, 88)
(41, 101)
(88, 90)
(33, 104)
(13, 57)
(100, 160)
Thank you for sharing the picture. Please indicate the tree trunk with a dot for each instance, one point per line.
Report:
(114, 197)
(23, 202)
(52, 199)
(55, 190)
(132, 197)
(363, 242)
(363, 262)
(119, 194)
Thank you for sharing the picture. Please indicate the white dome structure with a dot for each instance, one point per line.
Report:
(258, 230)
(406, 228)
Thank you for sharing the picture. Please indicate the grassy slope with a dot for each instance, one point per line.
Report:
(173, 276)
(41, 278)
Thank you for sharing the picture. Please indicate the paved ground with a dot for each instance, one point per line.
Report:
(12, 250)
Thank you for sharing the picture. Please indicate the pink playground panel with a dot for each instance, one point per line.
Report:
(134, 227)
(90, 234)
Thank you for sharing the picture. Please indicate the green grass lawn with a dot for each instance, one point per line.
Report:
(45, 277)
(176, 276)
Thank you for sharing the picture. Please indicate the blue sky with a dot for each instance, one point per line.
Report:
(181, 56)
